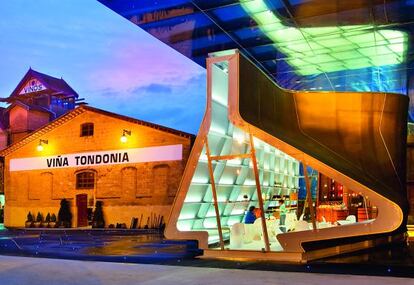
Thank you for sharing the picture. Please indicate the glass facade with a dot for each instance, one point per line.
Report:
(302, 44)
(328, 49)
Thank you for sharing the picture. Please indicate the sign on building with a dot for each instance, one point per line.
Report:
(99, 158)
(33, 85)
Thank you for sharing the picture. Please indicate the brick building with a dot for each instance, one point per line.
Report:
(133, 167)
(37, 99)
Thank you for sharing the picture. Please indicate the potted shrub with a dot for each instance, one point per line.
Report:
(64, 215)
(39, 220)
(29, 221)
(52, 222)
(98, 220)
(47, 221)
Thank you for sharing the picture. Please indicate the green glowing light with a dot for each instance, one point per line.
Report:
(328, 49)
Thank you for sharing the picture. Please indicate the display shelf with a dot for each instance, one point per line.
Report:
(278, 175)
(212, 217)
(242, 185)
(227, 163)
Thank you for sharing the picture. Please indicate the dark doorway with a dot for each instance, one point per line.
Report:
(82, 205)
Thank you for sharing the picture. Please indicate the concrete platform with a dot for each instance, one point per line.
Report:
(40, 271)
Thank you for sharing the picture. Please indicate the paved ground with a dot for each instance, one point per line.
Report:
(141, 246)
(148, 247)
(41, 271)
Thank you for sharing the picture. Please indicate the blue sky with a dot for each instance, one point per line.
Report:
(109, 61)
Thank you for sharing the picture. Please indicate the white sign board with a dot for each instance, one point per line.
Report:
(33, 85)
(99, 158)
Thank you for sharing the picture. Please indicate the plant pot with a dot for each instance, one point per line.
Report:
(28, 224)
(64, 224)
(37, 224)
(52, 224)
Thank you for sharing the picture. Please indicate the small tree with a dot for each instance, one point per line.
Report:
(52, 221)
(29, 217)
(29, 222)
(47, 219)
(39, 218)
(98, 220)
(64, 215)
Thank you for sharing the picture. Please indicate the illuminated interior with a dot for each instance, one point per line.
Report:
(279, 174)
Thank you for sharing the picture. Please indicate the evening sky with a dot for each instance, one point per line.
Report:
(108, 60)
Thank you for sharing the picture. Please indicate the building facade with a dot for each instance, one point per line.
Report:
(88, 155)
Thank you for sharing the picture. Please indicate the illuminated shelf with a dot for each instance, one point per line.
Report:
(243, 185)
(248, 166)
(210, 217)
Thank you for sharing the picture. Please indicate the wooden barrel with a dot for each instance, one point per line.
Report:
(324, 212)
(362, 214)
(320, 212)
(374, 213)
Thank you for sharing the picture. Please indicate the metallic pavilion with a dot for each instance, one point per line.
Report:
(250, 122)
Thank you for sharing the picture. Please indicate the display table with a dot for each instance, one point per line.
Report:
(367, 213)
(331, 213)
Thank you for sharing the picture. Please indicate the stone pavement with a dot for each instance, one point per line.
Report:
(41, 271)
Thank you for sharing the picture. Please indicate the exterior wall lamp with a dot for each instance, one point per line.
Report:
(40, 145)
(124, 138)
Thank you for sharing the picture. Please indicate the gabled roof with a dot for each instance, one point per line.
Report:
(80, 110)
(30, 107)
(56, 84)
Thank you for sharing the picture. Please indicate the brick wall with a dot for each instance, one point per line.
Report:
(128, 190)
(36, 120)
(18, 119)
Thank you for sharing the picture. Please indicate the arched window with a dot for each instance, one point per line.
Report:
(85, 179)
(86, 130)
(160, 179)
(46, 184)
(129, 181)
